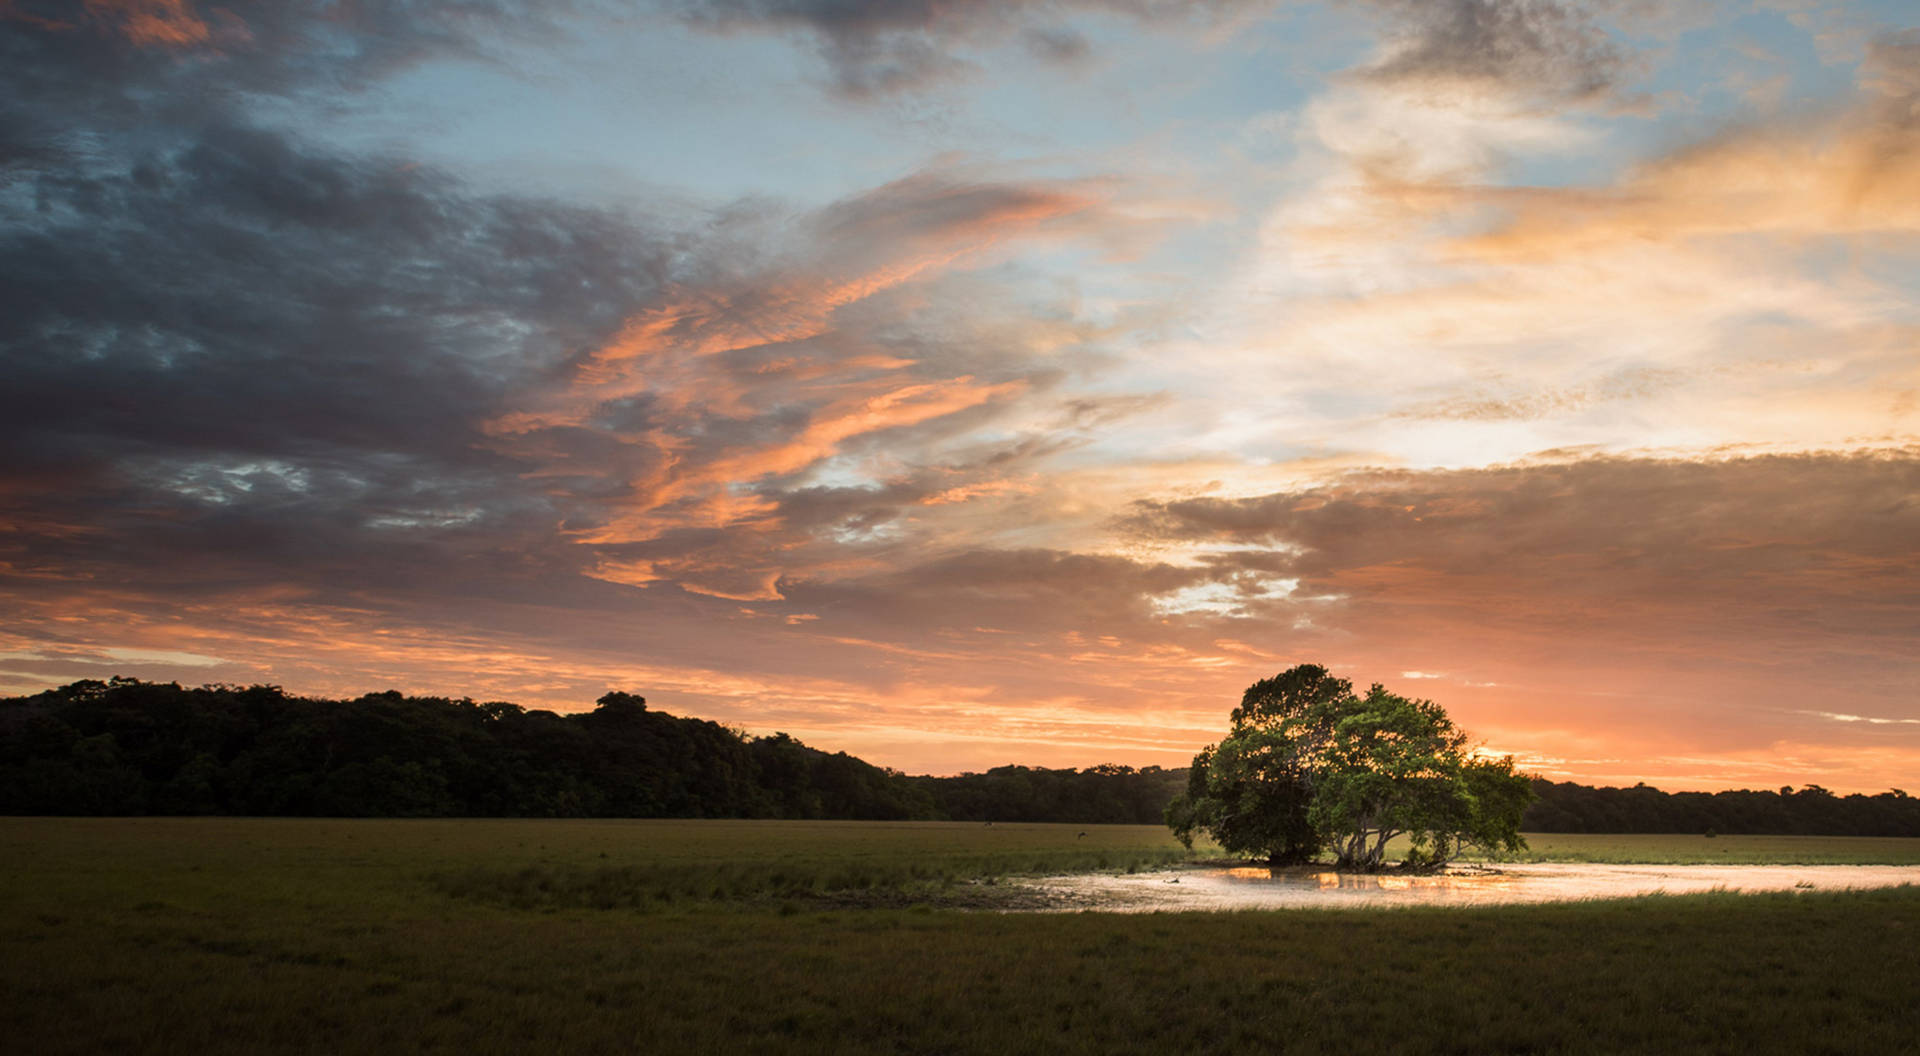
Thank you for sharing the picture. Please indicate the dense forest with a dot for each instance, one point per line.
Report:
(1811, 811)
(130, 747)
(125, 747)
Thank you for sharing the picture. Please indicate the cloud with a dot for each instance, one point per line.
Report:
(1527, 48)
(279, 348)
(1012, 589)
(1654, 610)
(1421, 297)
(821, 361)
(1771, 562)
(1853, 170)
(171, 23)
(1537, 49)
(1524, 405)
(234, 356)
(876, 48)
(238, 358)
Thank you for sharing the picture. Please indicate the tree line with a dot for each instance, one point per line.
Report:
(127, 747)
(1810, 811)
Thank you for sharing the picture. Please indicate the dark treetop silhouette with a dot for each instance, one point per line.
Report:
(129, 747)
(1310, 765)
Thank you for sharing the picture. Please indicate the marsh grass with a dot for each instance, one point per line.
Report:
(950, 880)
(241, 936)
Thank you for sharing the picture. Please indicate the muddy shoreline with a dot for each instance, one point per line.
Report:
(1218, 888)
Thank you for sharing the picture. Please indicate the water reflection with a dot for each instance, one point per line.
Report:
(1252, 872)
(1253, 886)
(1329, 880)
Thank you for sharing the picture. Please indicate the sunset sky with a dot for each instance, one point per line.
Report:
(983, 381)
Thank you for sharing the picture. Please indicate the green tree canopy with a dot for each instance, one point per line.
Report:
(1309, 765)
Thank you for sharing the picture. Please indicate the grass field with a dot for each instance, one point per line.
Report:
(1722, 850)
(239, 935)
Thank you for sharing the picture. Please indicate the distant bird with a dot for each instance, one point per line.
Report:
(1082, 834)
(1175, 880)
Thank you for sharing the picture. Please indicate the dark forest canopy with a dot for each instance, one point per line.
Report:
(129, 747)
(1809, 811)
(126, 747)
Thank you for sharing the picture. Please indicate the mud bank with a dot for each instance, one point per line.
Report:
(1310, 888)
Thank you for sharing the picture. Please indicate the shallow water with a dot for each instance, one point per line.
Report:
(1250, 887)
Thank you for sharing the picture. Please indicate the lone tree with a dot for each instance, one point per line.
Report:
(1251, 792)
(1310, 765)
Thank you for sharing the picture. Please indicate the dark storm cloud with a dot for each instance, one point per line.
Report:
(265, 335)
(265, 45)
(224, 346)
(77, 72)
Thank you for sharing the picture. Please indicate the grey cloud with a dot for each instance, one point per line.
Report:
(1013, 589)
(1550, 48)
(1666, 601)
(872, 48)
(882, 47)
(869, 65)
(343, 300)
(1891, 69)
(272, 45)
(1779, 552)
(231, 356)
(1892, 64)
(1058, 44)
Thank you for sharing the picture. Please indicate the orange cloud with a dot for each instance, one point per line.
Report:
(859, 416)
(701, 399)
(166, 23)
(981, 489)
(912, 229)
(1854, 172)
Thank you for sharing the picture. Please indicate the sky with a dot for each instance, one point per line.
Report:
(984, 381)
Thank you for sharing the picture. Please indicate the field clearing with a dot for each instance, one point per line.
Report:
(303, 935)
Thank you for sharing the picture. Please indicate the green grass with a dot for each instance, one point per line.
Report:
(239, 935)
(1722, 850)
(831, 863)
